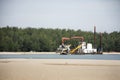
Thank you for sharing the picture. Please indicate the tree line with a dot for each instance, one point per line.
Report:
(48, 39)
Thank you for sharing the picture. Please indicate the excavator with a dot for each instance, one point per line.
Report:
(65, 49)
(82, 47)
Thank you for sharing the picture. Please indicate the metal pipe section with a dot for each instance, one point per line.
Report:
(101, 41)
(94, 36)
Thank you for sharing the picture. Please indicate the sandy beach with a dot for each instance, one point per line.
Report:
(47, 52)
(59, 69)
(28, 52)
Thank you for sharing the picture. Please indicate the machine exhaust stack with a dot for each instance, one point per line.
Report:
(100, 44)
(94, 36)
(100, 40)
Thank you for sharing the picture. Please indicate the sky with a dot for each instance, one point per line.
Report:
(63, 14)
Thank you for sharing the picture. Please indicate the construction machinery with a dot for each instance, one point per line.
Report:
(81, 48)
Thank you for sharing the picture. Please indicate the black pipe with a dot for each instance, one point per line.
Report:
(101, 43)
(94, 36)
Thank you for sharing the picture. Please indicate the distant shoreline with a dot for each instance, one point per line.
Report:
(47, 52)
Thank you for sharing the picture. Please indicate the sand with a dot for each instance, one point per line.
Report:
(59, 69)
(28, 52)
(31, 52)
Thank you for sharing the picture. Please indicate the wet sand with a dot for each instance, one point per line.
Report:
(28, 52)
(59, 69)
(47, 52)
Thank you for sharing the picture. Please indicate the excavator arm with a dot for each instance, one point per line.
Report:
(79, 46)
(64, 39)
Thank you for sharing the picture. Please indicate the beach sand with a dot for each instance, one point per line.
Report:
(47, 52)
(59, 69)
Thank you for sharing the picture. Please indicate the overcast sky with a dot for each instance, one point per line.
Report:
(72, 14)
